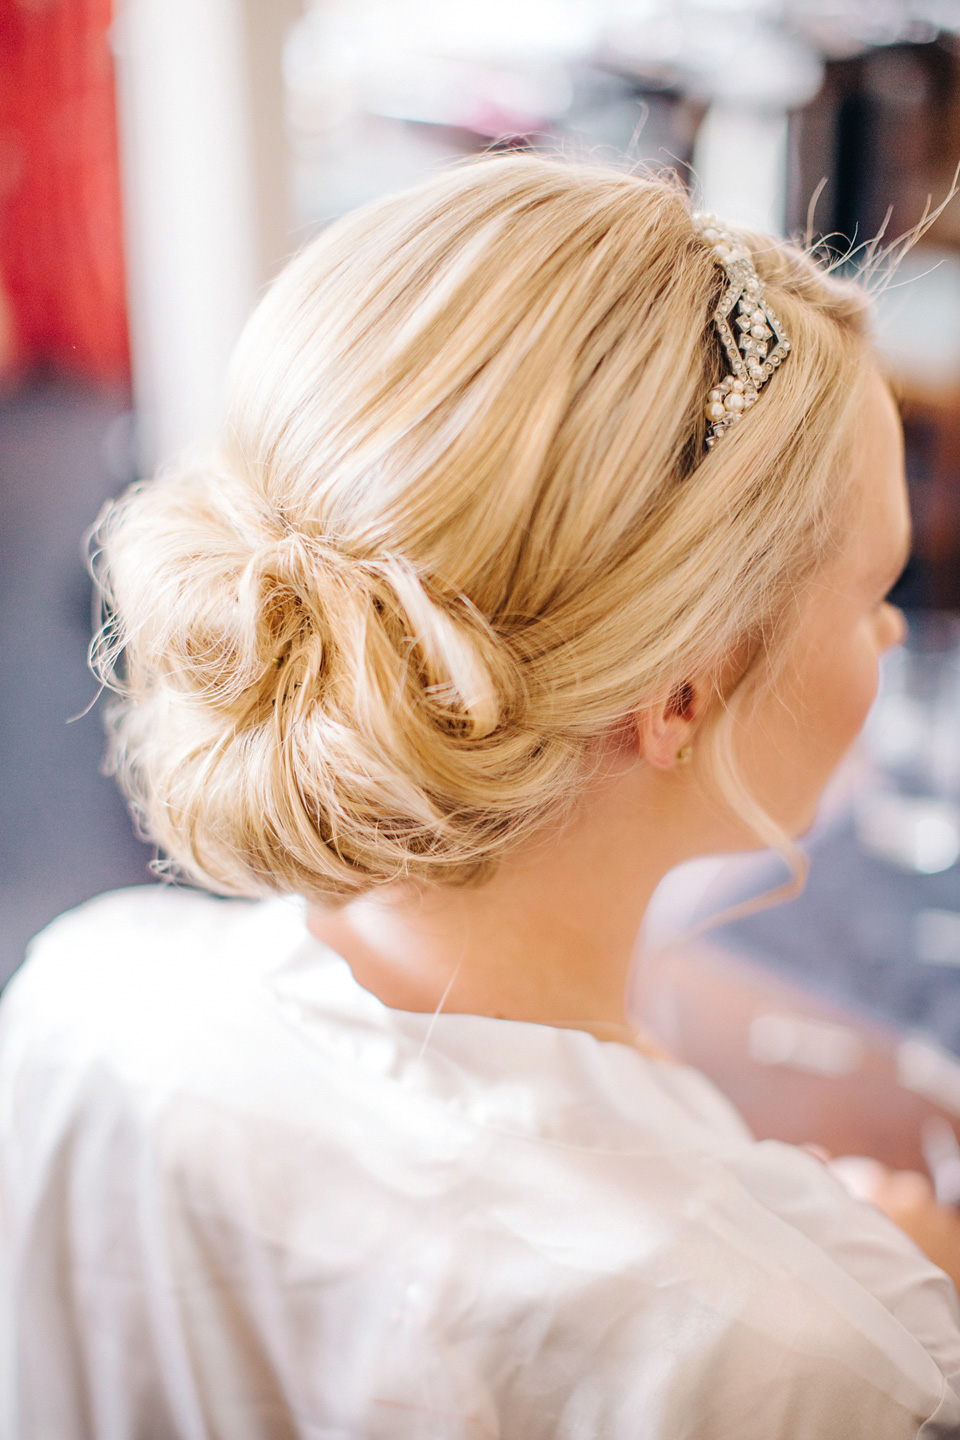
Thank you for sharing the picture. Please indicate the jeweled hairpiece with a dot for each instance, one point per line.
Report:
(753, 340)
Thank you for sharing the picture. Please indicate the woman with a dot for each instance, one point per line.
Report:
(516, 581)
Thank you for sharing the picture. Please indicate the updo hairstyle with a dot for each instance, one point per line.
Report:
(460, 523)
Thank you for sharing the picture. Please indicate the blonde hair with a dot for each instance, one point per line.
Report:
(460, 523)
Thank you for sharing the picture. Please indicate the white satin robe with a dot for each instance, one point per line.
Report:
(240, 1198)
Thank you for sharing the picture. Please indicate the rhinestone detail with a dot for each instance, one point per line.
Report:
(756, 347)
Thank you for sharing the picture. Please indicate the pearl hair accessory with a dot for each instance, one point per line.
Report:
(752, 361)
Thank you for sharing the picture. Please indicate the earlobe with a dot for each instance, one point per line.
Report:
(665, 748)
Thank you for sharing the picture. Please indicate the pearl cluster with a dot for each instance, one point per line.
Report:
(756, 347)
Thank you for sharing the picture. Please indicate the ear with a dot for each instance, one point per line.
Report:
(663, 731)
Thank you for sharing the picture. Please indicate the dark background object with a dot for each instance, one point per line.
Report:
(64, 831)
(867, 154)
(879, 133)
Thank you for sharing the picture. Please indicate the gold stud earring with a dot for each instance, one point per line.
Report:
(683, 754)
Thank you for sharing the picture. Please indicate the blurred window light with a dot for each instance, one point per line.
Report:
(382, 92)
(492, 30)
(916, 833)
(942, 1155)
(861, 23)
(740, 166)
(936, 937)
(917, 318)
(749, 61)
(818, 1047)
(927, 1069)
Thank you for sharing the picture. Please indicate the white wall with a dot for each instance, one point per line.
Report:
(204, 167)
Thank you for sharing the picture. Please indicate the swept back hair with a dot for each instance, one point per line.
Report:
(460, 523)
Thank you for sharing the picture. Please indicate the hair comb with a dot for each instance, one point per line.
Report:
(753, 338)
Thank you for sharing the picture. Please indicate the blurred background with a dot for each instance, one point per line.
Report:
(160, 159)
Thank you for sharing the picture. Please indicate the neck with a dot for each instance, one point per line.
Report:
(548, 939)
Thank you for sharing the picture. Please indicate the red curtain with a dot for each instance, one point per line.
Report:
(61, 244)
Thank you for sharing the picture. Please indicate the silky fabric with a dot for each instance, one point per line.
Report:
(241, 1198)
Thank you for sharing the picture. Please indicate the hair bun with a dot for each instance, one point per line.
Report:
(310, 708)
(322, 624)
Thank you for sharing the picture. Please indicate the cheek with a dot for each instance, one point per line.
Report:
(802, 731)
(832, 697)
(843, 689)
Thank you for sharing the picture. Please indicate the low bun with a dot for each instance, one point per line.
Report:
(316, 721)
(460, 526)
